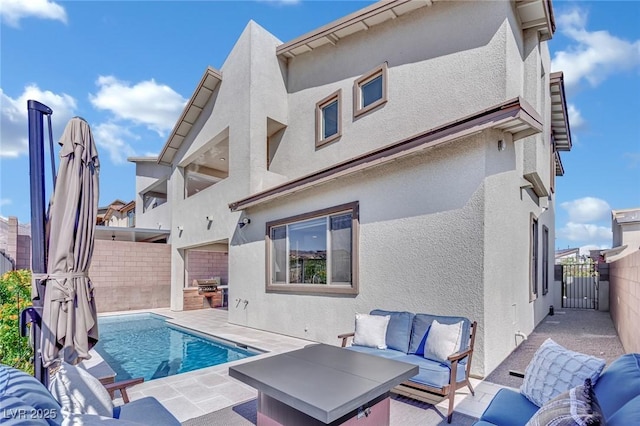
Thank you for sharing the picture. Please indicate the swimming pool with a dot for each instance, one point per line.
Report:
(145, 345)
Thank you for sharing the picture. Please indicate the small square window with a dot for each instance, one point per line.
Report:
(370, 90)
(328, 119)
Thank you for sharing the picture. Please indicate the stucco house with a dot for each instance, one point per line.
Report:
(402, 157)
(625, 230)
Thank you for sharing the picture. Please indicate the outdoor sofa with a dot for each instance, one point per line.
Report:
(410, 337)
(24, 400)
(617, 392)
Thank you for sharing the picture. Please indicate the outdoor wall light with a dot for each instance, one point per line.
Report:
(180, 228)
(209, 218)
(245, 221)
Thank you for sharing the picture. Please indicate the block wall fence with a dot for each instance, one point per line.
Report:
(624, 299)
(126, 275)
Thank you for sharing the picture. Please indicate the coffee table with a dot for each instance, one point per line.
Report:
(323, 384)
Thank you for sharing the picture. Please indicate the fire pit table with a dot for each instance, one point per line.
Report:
(322, 384)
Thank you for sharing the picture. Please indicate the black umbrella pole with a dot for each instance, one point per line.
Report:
(38, 221)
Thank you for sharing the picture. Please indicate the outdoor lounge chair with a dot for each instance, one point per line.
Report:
(84, 398)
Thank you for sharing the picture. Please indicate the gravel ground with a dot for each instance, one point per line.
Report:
(582, 330)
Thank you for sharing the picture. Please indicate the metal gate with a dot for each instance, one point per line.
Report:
(580, 285)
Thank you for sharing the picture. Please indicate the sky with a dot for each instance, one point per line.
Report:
(129, 67)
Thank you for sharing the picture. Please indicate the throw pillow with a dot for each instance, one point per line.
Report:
(79, 392)
(555, 369)
(371, 331)
(578, 406)
(443, 340)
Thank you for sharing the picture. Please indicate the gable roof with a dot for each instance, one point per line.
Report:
(208, 83)
(515, 116)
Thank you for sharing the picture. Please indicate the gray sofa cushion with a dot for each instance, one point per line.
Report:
(421, 324)
(384, 353)
(26, 388)
(619, 383)
(147, 411)
(398, 330)
(432, 373)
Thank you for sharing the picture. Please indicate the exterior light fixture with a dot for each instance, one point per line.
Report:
(180, 228)
(244, 222)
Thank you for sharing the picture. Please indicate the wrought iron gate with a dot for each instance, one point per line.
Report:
(580, 285)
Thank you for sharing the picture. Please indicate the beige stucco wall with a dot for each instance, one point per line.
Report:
(446, 231)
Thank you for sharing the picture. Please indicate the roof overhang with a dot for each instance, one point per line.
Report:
(559, 113)
(360, 20)
(118, 233)
(514, 116)
(537, 15)
(558, 163)
(142, 159)
(208, 83)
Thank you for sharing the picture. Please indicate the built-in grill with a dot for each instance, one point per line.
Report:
(207, 286)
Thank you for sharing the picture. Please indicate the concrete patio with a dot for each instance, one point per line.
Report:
(193, 395)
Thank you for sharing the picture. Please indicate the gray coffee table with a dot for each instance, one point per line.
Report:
(322, 384)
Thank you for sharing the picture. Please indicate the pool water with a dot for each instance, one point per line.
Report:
(145, 345)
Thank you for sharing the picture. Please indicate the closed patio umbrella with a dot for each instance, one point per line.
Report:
(69, 319)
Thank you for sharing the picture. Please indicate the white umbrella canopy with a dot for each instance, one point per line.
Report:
(69, 316)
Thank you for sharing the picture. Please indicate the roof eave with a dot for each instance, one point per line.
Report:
(560, 126)
(191, 112)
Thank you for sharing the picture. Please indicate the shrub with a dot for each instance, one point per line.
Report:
(15, 295)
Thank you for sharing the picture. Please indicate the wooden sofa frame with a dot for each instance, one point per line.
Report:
(425, 393)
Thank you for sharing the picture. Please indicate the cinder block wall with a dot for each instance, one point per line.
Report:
(206, 264)
(129, 275)
(624, 303)
(18, 245)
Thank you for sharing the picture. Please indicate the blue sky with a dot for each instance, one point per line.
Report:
(128, 67)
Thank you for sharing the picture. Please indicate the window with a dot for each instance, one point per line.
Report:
(533, 267)
(314, 252)
(131, 218)
(154, 196)
(370, 90)
(545, 260)
(328, 119)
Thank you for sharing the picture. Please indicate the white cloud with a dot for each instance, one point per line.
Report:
(5, 202)
(587, 209)
(595, 55)
(583, 232)
(154, 105)
(584, 250)
(14, 117)
(12, 11)
(112, 138)
(575, 118)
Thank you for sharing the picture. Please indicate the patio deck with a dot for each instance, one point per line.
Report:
(210, 396)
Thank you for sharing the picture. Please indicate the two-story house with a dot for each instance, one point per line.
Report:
(402, 157)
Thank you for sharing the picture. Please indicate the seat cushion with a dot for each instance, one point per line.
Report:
(399, 329)
(384, 353)
(619, 383)
(146, 411)
(14, 411)
(627, 414)
(555, 369)
(26, 388)
(431, 373)
(509, 408)
(79, 392)
(420, 330)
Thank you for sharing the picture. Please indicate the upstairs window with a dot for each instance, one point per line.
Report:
(533, 265)
(328, 119)
(370, 90)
